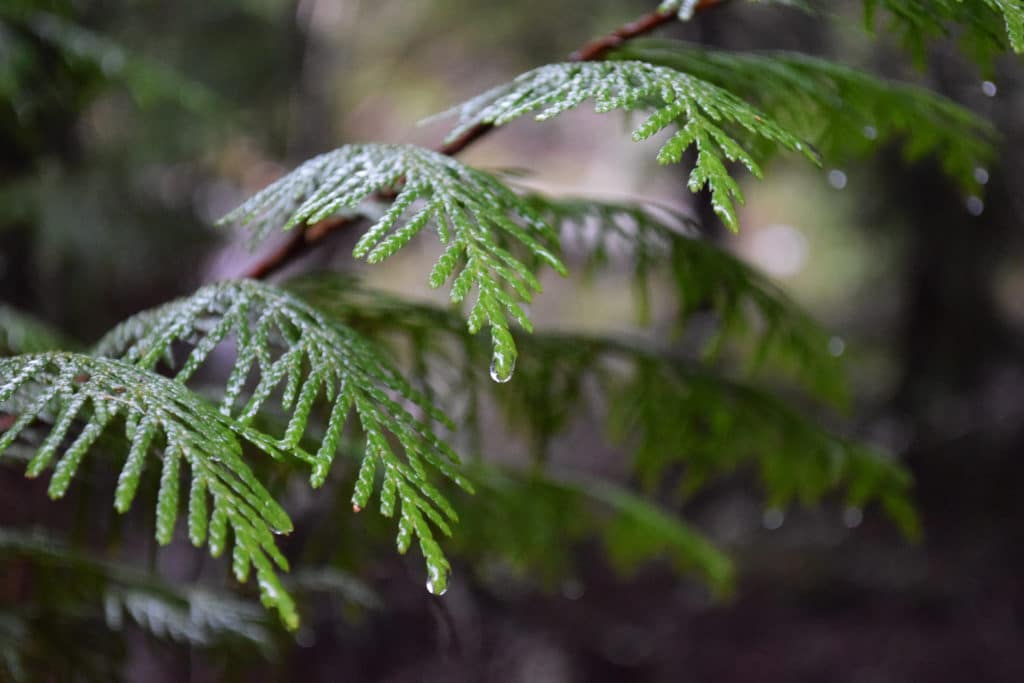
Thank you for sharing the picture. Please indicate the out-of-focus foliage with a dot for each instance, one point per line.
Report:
(751, 313)
(21, 333)
(81, 49)
(103, 597)
(844, 112)
(182, 614)
(729, 425)
(553, 514)
(985, 25)
(50, 61)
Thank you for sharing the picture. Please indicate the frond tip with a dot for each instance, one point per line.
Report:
(159, 415)
(706, 116)
(291, 343)
(472, 212)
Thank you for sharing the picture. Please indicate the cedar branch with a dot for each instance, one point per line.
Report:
(306, 238)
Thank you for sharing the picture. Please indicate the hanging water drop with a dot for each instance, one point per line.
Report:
(282, 528)
(502, 367)
(437, 580)
(434, 589)
(981, 175)
(870, 132)
(989, 88)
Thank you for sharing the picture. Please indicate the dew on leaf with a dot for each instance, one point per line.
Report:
(437, 580)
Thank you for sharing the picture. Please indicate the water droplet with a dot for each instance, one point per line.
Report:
(501, 368)
(870, 132)
(981, 175)
(853, 516)
(975, 206)
(573, 589)
(989, 88)
(356, 508)
(773, 518)
(837, 178)
(836, 346)
(437, 581)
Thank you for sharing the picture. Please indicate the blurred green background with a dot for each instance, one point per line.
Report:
(128, 127)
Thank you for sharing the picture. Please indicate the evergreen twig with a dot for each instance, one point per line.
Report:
(306, 239)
